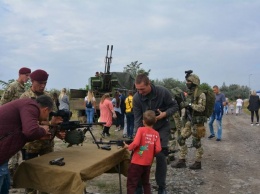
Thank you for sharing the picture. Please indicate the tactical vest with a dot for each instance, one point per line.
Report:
(197, 117)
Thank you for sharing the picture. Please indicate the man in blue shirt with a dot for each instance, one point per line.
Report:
(220, 102)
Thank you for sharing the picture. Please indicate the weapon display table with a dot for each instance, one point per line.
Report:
(82, 163)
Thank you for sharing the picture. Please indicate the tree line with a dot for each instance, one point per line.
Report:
(233, 91)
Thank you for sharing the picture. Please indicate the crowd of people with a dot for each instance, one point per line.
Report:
(143, 116)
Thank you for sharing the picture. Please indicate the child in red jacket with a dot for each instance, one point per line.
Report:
(145, 146)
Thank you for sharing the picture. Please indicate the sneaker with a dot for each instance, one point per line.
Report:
(108, 134)
(257, 124)
(211, 136)
(218, 139)
(124, 136)
(252, 124)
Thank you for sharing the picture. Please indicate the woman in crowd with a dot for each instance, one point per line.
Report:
(239, 104)
(64, 100)
(254, 107)
(56, 100)
(90, 104)
(116, 104)
(106, 113)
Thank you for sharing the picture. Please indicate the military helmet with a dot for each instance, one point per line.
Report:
(194, 79)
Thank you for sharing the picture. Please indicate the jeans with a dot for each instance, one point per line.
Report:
(219, 125)
(4, 178)
(90, 115)
(130, 124)
(226, 109)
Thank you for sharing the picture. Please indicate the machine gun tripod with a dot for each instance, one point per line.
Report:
(75, 135)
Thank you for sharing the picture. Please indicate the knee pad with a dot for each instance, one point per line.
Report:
(181, 140)
(196, 144)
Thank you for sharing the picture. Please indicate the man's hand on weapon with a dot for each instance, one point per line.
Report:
(61, 135)
(56, 120)
(161, 114)
(185, 104)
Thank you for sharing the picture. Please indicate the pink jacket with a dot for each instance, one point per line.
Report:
(106, 112)
(18, 125)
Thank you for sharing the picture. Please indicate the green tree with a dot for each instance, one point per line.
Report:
(205, 86)
(233, 91)
(5, 84)
(170, 83)
(134, 68)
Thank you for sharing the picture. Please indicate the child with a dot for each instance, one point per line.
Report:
(146, 144)
(231, 106)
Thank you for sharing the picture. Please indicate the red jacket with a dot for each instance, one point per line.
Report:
(18, 125)
(145, 145)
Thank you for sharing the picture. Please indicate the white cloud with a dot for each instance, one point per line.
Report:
(219, 40)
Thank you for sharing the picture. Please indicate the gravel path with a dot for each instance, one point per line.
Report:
(228, 167)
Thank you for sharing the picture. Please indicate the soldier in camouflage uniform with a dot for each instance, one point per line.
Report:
(13, 91)
(39, 147)
(175, 123)
(193, 122)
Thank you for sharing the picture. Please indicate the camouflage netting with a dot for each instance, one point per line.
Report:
(125, 80)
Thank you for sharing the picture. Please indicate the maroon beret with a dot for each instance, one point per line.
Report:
(39, 75)
(24, 70)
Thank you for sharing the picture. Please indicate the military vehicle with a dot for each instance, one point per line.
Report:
(101, 83)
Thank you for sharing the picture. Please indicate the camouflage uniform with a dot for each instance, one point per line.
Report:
(191, 129)
(38, 146)
(13, 92)
(175, 123)
(193, 122)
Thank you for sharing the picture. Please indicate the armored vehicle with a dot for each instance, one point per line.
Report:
(101, 83)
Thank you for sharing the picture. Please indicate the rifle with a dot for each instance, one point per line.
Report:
(107, 144)
(188, 113)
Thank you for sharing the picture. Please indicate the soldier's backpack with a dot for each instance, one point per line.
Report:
(210, 101)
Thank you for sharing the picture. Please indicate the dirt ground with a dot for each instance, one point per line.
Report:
(231, 166)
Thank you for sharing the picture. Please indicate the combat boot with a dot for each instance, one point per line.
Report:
(196, 165)
(181, 163)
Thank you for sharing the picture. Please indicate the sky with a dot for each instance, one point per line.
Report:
(218, 39)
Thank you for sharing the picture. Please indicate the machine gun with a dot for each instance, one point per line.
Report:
(108, 60)
(74, 132)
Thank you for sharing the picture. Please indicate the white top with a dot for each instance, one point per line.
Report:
(239, 102)
(114, 105)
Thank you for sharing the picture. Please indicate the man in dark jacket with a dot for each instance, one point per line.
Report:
(158, 99)
(19, 123)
